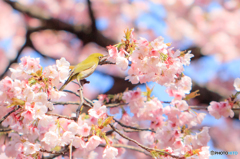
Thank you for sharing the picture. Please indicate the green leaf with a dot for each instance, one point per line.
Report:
(107, 121)
(39, 72)
(163, 56)
(32, 81)
(148, 92)
(16, 101)
(192, 95)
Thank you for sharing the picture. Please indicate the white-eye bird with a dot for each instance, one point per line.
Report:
(84, 68)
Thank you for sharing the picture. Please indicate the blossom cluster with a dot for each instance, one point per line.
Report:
(153, 61)
(170, 125)
(218, 109)
(30, 93)
(34, 130)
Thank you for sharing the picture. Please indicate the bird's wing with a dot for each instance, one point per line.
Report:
(85, 73)
(85, 65)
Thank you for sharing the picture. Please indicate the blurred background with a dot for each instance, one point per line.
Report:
(51, 29)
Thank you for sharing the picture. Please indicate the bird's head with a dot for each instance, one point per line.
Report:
(97, 55)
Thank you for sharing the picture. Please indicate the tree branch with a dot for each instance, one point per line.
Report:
(130, 127)
(5, 130)
(85, 33)
(60, 116)
(90, 11)
(140, 145)
(5, 117)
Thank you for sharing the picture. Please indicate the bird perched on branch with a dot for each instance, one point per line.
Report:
(84, 68)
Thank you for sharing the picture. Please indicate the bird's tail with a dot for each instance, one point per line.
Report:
(65, 83)
(63, 86)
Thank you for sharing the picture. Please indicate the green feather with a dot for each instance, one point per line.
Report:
(84, 68)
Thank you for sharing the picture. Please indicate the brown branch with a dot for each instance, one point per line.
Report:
(70, 150)
(80, 106)
(5, 130)
(72, 103)
(14, 60)
(130, 127)
(205, 107)
(65, 103)
(85, 33)
(9, 113)
(140, 145)
(55, 153)
(60, 116)
(90, 11)
(87, 102)
(109, 132)
(112, 105)
(130, 131)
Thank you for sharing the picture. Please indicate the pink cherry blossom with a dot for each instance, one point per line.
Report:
(122, 62)
(56, 95)
(113, 53)
(203, 137)
(97, 111)
(237, 84)
(63, 75)
(73, 127)
(84, 130)
(40, 97)
(93, 142)
(40, 110)
(110, 153)
(180, 104)
(30, 64)
(46, 120)
(204, 153)
(67, 137)
(78, 142)
(51, 138)
(30, 148)
(62, 64)
(220, 109)
(186, 58)
(50, 72)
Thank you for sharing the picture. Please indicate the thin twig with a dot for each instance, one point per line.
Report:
(65, 103)
(112, 105)
(166, 102)
(140, 145)
(134, 128)
(60, 116)
(75, 82)
(54, 152)
(130, 131)
(80, 107)
(109, 132)
(14, 60)
(88, 102)
(68, 91)
(5, 130)
(70, 150)
(206, 107)
(3, 118)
